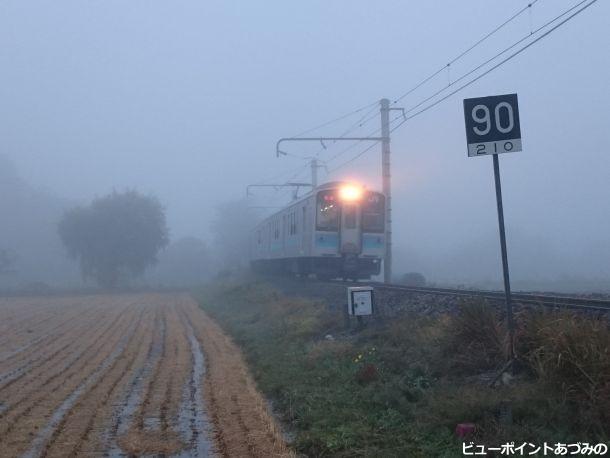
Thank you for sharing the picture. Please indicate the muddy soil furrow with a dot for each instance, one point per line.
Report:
(153, 381)
(74, 430)
(156, 413)
(181, 365)
(25, 334)
(54, 349)
(125, 411)
(154, 428)
(37, 445)
(193, 422)
(33, 406)
(126, 375)
(29, 313)
(46, 337)
(49, 370)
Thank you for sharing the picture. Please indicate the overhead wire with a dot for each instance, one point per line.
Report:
(478, 77)
(327, 123)
(502, 62)
(337, 119)
(494, 57)
(427, 79)
(367, 117)
(466, 51)
(279, 175)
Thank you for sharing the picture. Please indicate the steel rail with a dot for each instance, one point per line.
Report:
(546, 300)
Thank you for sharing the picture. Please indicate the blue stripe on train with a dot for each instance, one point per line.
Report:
(327, 241)
(372, 241)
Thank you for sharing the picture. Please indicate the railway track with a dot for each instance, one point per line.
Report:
(546, 300)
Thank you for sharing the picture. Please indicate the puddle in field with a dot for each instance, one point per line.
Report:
(192, 422)
(45, 433)
(128, 407)
(192, 419)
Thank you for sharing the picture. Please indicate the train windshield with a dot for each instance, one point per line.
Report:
(373, 212)
(327, 211)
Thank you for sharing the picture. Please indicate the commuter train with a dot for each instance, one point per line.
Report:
(335, 231)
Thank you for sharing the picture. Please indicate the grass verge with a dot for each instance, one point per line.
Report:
(400, 388)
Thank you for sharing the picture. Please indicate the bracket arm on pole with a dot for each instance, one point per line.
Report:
(278, 151)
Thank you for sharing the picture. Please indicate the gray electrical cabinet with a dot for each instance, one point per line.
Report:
(360, 300)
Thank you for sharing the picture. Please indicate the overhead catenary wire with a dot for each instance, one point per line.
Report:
(302, 167)
(494, 57)
(466, 51)
(277, 176)
(427, 79)
(337, 119)
(586, 3)
(502, 62)
(372, 107)
(352, 159)
(364, 119)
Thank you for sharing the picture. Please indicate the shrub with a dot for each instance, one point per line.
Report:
(570, 352)
(477, 339)
(413, 279)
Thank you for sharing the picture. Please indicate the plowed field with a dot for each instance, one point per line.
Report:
(125, 375)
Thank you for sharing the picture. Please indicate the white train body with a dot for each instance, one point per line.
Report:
(335, 231)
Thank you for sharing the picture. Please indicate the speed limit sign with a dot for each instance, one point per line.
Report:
(492, 125)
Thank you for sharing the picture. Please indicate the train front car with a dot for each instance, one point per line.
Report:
(349, 239)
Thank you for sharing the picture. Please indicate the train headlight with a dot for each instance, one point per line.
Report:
(350, 192)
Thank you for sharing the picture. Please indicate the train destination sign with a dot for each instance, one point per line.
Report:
(492, 125)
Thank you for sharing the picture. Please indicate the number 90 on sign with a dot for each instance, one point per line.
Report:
(492, 125)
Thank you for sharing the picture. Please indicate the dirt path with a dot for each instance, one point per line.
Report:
(125, 375)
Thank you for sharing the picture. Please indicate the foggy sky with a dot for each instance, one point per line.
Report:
(186, 100)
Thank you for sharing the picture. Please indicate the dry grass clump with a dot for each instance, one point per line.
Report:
(300, 318)
(329, 348)
(477, 339)
(570, 352)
